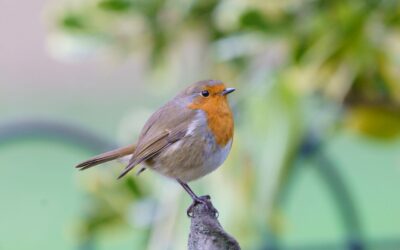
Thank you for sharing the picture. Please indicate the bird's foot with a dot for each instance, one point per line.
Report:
(205, 200)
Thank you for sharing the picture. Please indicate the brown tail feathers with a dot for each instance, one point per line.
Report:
(107, 156)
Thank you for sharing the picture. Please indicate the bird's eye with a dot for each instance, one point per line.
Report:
(205, 93)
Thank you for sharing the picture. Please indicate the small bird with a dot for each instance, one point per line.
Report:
(187, 138)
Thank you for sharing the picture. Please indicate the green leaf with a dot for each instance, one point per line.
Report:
(72, 21)
(253, 19)
(115, 5)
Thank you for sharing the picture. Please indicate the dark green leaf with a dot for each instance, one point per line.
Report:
(115, 5)
(72, 21)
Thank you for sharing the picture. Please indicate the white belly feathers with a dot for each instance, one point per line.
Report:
(216, 158)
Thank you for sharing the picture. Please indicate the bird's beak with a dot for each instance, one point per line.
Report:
(227, 91)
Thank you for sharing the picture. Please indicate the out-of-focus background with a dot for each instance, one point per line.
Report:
(315, 162)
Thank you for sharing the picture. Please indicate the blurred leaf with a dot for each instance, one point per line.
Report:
(133, 187)
(376, 121)
(73, 22)
(115, 5)
(253, 19)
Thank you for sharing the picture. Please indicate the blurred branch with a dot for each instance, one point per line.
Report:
(54, 130)
(313, 148)
(206, 232)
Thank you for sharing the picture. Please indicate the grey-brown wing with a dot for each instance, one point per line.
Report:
(160, 131)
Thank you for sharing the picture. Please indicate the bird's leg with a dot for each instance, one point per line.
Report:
(205, 199)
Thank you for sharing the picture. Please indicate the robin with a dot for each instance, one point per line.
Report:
(187, 138)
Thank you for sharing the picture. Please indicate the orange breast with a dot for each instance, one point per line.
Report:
(219, 117)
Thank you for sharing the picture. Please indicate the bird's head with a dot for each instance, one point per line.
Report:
(207, 94)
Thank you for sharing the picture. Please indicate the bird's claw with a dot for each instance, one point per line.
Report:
(205, 200)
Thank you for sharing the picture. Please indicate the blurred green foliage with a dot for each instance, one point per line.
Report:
(292, 61)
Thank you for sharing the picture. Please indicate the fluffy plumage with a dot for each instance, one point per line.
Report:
(185, 139)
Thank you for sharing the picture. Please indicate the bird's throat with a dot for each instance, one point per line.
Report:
(219, 118)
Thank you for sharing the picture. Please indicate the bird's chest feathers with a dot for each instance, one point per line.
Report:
(219, 119)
